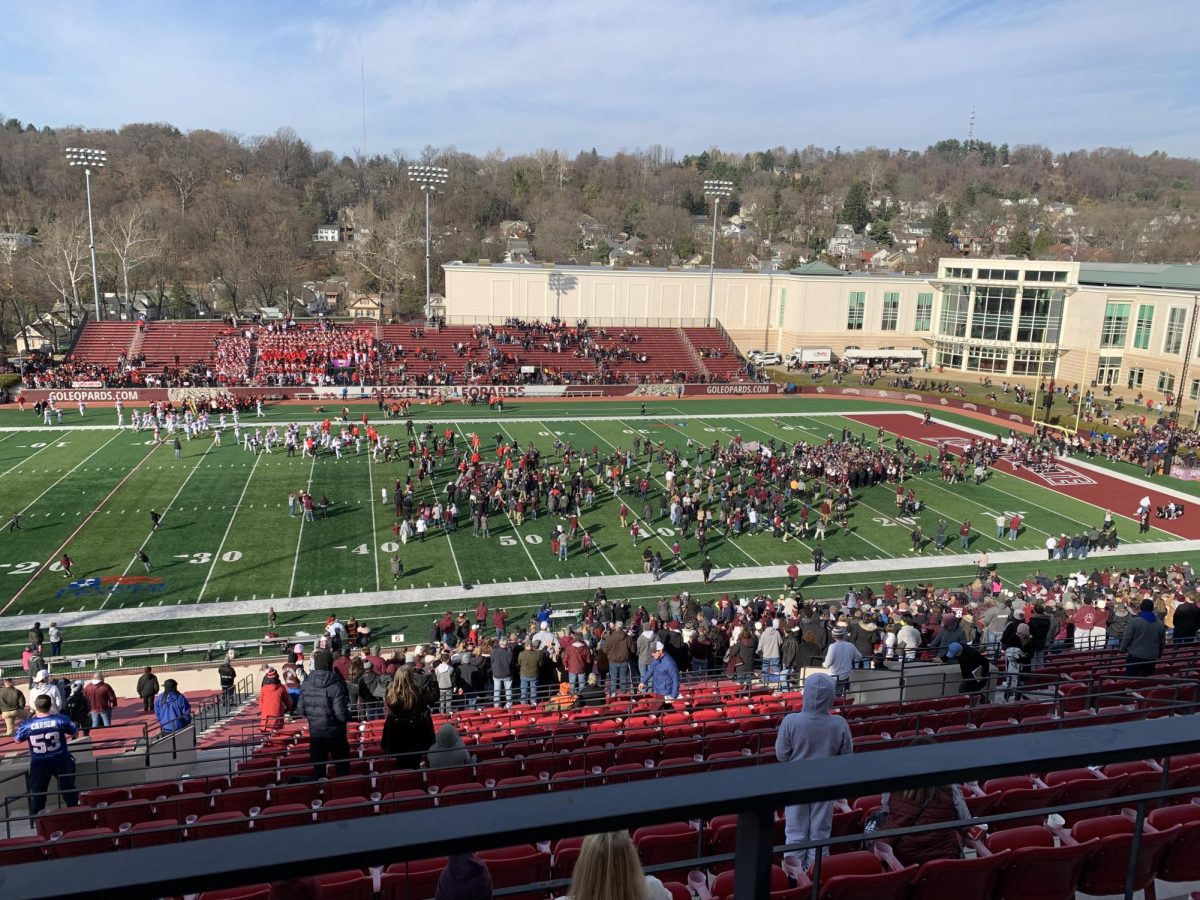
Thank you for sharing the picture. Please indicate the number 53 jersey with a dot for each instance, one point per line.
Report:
(47, 737)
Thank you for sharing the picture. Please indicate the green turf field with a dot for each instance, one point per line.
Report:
(226, 534)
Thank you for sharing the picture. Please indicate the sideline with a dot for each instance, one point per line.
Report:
(917, 566)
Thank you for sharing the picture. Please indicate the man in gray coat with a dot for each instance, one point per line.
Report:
(770, 647)
(1143, 642)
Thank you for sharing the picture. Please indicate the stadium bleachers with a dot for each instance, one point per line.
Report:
(715, 725)
(103, 342)
(193, 342)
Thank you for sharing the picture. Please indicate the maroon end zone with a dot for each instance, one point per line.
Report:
(1100, 489)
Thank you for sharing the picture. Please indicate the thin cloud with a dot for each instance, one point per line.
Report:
(690, 74)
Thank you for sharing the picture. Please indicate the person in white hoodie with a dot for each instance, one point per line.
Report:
(812, 734)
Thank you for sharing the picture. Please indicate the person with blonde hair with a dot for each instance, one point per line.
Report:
(408, 729)
(608, 868)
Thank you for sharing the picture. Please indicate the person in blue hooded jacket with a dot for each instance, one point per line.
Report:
(812, 734)
(172, 709)
(662, 675)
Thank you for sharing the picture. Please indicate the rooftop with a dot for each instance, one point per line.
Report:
(809, 270)
(1166, 276)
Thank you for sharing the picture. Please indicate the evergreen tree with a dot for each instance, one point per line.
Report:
(1020, 243)
(880, 233)
(939, 224)
(854, 209)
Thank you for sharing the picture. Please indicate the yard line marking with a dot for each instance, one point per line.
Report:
(167, 509)
(449, 534)
(511, 522)
(53, 486)
(300, 535)
(228, 527)
(54, 556)
(371, 503)
(27, 458)
(595, 543)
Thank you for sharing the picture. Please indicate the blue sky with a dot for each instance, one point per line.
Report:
(571, 75)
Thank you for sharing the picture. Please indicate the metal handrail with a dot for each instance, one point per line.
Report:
(752, 793)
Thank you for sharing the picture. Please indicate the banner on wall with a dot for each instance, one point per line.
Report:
(1185, 473)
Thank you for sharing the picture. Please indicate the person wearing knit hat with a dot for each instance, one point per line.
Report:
(1143, 642)
(464, 878)
(274, 702)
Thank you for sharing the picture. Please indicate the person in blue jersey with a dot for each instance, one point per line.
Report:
(172, 709)
(662, 675)
(47, 734)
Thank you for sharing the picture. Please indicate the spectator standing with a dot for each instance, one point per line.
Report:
(55, 639)
(325, 702)
(76, 707)
(228, 677)
(502, 672)
(172, 709)
(408, 729)
(47, 734)
(528, 662)
(578, 660)
(1143, 642)
(662, 675)
(102, 700)
(974, 667)
(841, 659)
(147, 688)
(44, 687)
(274, 702)
(770, 647)
(12, 706)
(620, 650)
(1186, 621)
(813, 733)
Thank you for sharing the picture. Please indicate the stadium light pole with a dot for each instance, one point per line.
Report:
(89, 159)
(428, 179)
(715, 190)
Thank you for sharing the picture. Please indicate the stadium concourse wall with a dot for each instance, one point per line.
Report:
(90, 393)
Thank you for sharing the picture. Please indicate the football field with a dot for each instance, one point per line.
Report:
(87, 489)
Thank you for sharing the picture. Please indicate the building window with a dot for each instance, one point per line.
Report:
(959, 273)
(858, 309)
(1029, 362)
(1108, 371)
(1141, 332)
(1116, 325)
(924, 320)
(1135, 378)
(992, 314)
(1040, 312)
(1058, 277)
(999, 274)
(987, 359)
(891, 311)
(1166, 383)
(949, 355)
(956, 305)
(1174, 339)
(1194, 390)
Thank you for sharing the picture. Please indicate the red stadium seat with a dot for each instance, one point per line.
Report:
(342, 808)
(71, 818)
(180, 806)
(520, 786)
(304, 792)
(1181, 860)
(722, 886)
(671, 843)
(96, 796)
(458, 794)
(516, 866)
(566, 852)
(218, 824)
(286, 815)
(942, 878)
(28, 848)
(407, 881)
(154, 833)
(125, 812)
(81, 843)
(1036, 869)
(1104, 871)
(351, 885)
(404, 801)
(250, 892)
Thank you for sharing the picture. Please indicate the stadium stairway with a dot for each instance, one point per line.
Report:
(103, 342)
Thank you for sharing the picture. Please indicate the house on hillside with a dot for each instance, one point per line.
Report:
(517, 249)
(329, 233)
(365, 306)
(15, 240)
(326, 297)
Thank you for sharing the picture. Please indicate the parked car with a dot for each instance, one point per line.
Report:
(764, 358)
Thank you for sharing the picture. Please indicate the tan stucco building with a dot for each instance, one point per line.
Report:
(1122, 324)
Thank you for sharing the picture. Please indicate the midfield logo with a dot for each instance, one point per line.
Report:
(113, 584)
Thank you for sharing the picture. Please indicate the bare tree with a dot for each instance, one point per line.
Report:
(392, 251)
(130, 236)
(63, 260)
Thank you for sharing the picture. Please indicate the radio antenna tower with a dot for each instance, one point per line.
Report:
(971, 127)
